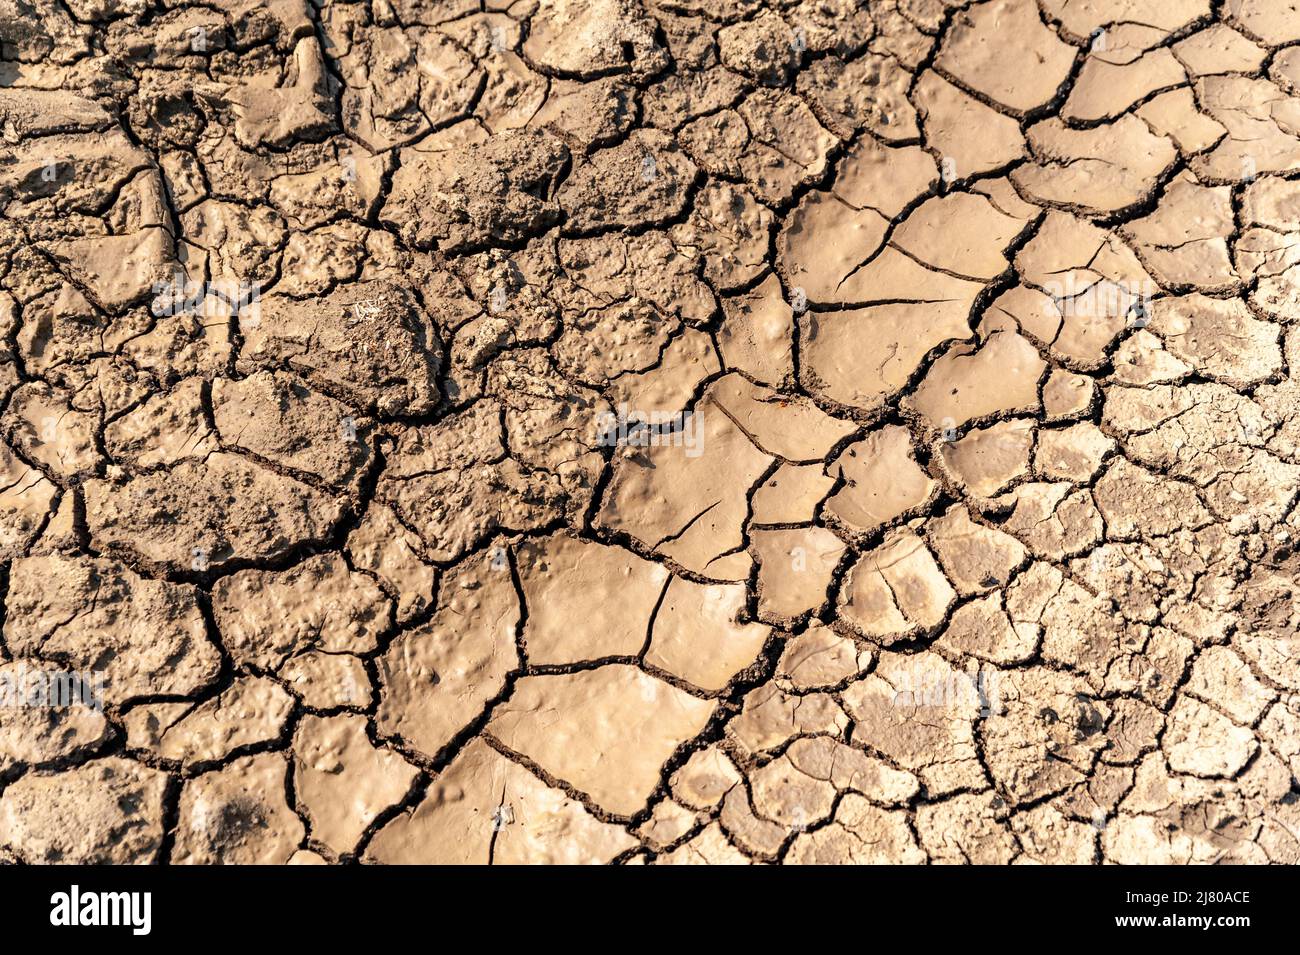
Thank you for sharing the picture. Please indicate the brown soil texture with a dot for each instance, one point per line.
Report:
(650, 431)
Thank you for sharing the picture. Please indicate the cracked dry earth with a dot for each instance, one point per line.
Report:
(949, 357)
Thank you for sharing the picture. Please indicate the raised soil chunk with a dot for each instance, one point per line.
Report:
(439, 677)
(573, 724)
(105, 812)
(896, 591)
(968, 383)
(89, 613)
(795, 570)
(974, 556)
(820, 657)
(974, 52)
(252, 711)
(1100, 171)
(460, 200)
(485, 809)
(700, 635)
(368, 344)
(686, 496)
(986, 460)
(266, 616)
(586, 601)
(882, 481)
(238, 815)
(343, 782)
(204, 515)
(41, 735)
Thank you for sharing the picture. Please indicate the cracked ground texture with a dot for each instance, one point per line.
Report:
(651, 431)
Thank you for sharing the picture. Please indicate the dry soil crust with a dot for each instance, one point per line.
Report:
(650, 431)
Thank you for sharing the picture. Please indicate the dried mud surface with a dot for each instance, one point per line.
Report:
(651, 431)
